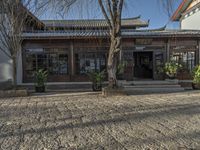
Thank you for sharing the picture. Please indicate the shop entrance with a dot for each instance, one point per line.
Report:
(143, 65)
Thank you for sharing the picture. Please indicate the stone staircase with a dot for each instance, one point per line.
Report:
(148, 87)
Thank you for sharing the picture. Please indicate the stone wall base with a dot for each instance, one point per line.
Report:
(13, 93)
(113, 92)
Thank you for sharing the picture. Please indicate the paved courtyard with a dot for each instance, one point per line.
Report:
(73, 122)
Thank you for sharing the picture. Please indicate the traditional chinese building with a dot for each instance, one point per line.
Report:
(69, 49)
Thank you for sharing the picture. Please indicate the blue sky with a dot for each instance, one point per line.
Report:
(148, 9)
(153, 10)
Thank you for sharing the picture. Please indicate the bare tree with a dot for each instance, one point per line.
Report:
(112, 11)
(13, 17)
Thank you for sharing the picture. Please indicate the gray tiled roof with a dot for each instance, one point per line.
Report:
(132, 22)
(162, 33)
(105, 33)
(65, 34)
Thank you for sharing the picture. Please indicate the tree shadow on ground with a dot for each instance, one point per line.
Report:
(161, 112)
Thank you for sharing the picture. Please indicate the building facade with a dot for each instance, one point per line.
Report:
(69, 49)
(74, 48)
(188, 13)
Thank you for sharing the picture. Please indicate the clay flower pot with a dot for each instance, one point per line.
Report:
(40, 89)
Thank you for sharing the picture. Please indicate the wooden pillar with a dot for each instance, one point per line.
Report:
(168, 51)
(72, 57)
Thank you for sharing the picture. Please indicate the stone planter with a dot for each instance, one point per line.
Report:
(13, 93)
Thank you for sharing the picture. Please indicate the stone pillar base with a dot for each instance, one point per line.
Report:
(113, 92)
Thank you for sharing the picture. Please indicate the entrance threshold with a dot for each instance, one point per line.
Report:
(143, 79)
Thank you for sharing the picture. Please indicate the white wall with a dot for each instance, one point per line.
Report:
(191, 22)
(6, 68)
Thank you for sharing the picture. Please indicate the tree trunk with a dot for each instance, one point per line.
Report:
(112, 11)
(112, 63)
(14, 73)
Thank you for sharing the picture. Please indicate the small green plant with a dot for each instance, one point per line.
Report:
(96, 76)
(196, 74)
(171, 69)
(97, 79)
(41, 77)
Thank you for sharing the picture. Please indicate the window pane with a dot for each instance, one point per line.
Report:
(187, 59)
(55, 61)
(53, 64)
(30, 65)
(42, 61)
(63, 63)
(90, 62)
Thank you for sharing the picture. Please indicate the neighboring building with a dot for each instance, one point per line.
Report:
(69, 49)
(188, 13)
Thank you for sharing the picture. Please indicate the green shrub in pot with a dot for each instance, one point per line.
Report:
(171, 69)
(97, 78)
(40, 80)
(196, 77)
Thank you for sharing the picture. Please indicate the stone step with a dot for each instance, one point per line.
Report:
(153, 86)
(62, 86)
(87, 86)
(133, 91)
(170, 82)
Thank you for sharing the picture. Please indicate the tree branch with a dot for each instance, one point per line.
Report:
(109, 8)
(105, 13)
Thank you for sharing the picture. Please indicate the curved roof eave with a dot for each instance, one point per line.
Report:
(182, 7)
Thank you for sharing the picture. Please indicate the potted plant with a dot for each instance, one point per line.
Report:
(171, 69)
(97, 79)
(196, 77)
(41, 78)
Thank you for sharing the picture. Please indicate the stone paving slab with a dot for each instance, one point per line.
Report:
(93, 122)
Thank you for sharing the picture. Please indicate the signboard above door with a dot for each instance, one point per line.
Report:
(143, 41)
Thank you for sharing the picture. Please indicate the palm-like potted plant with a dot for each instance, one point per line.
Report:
(196, 77)
(97, 78)
(40, 80)
(171, 69)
